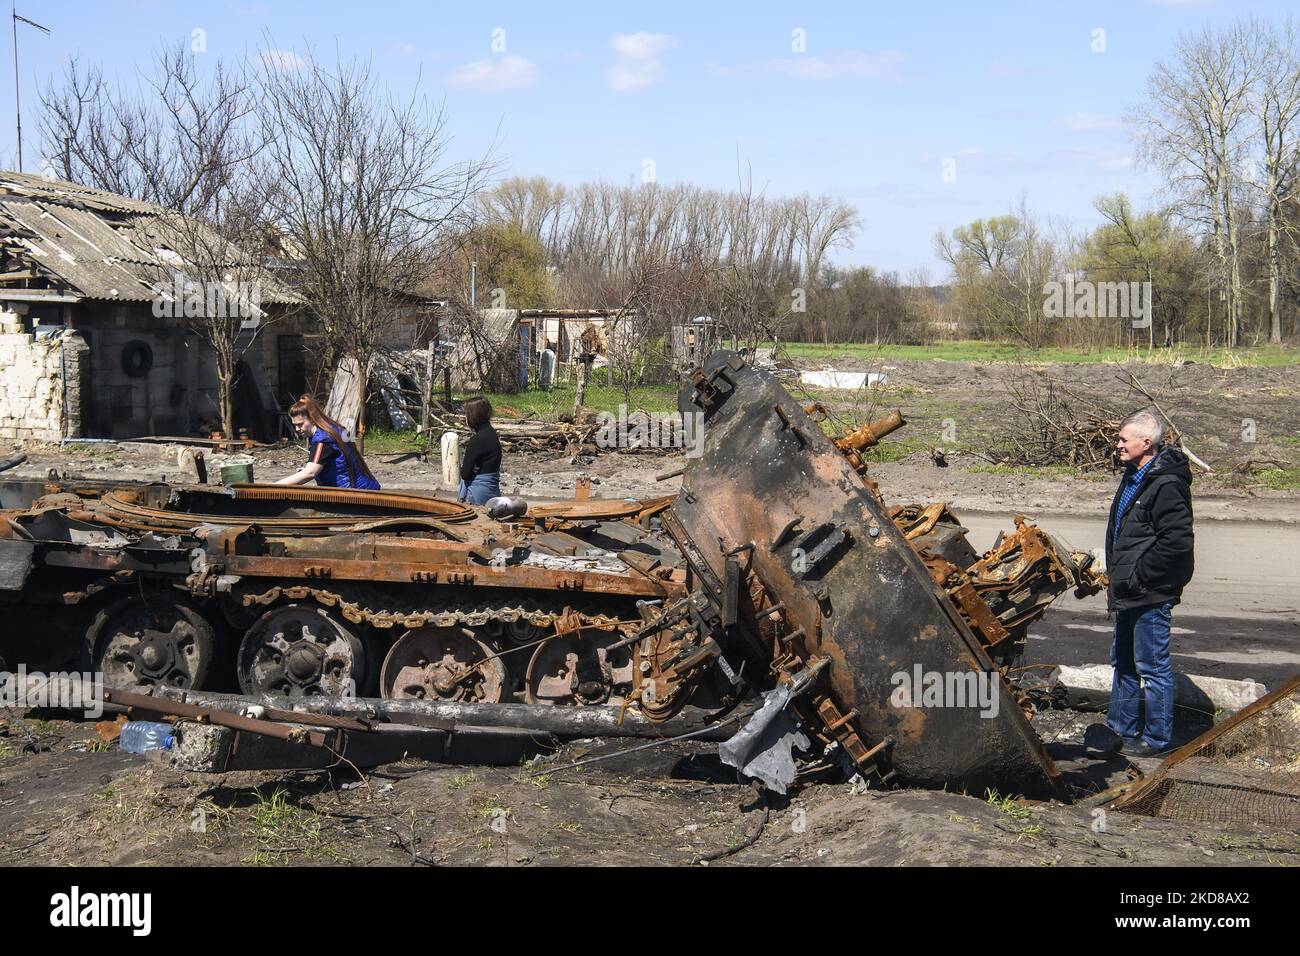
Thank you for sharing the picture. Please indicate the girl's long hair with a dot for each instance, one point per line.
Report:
(316, 415)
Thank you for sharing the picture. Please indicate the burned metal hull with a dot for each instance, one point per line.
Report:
(852, 587)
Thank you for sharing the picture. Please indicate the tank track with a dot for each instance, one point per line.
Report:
(388, 609)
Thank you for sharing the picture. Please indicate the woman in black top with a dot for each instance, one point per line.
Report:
(480, 470)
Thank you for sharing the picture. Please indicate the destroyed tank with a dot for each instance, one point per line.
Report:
(778, 575)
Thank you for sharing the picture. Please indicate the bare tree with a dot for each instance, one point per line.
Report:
(1276, 104)
(218, 282)
(1000, 267)
(179, 140)
(182, 140)
(1192, 126)
(823, 223)
(367, 196)
(678, 250)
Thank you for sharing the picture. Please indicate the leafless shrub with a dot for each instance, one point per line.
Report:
(1048, 423)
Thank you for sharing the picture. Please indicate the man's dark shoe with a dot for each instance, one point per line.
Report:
(1139, 748)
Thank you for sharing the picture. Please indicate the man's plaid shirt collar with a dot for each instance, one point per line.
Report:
(1132, 482)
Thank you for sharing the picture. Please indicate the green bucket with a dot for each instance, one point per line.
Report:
(238, 474)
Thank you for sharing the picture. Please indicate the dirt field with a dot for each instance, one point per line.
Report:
(61, 804)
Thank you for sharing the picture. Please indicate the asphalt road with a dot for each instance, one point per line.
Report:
(1239, 617)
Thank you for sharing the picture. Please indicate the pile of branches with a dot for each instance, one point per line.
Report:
(1049, 424)
(547, 436)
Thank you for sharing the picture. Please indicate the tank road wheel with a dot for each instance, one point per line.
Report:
(152, 638)
(576, 669)
(298, 650)
(442, 663)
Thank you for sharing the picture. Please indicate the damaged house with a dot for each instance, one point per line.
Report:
(91, 341)
(500, 349)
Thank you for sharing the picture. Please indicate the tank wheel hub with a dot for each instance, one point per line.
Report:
(445, 664)
(297, 651)
(152, 640)
(578, 668)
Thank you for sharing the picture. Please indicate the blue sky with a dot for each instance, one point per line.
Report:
(867, 103)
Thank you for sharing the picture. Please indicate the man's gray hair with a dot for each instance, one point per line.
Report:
(1147, 424)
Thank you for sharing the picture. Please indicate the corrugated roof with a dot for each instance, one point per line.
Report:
(80, 253)
(100, 245)
(72, 194)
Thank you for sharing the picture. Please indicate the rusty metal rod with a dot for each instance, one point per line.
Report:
(163, 706)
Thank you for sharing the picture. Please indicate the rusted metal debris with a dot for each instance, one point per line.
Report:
(1244, 771)
(778, 573)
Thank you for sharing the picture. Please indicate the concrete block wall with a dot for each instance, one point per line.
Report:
(31, 387)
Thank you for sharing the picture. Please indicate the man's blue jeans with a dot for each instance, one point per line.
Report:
(1141, 650)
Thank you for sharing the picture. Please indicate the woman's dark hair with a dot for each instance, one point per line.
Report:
(307, 407)
(478, 412)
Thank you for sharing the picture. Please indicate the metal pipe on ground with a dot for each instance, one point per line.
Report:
(568, 722)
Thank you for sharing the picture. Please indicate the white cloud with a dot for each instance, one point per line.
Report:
(639, 62)
(834, 66)
(1091, 122)
(642, 46)
(282, 60)
(1099, 160)
(496, 75)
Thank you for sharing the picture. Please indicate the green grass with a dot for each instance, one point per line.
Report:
(388, 441)
(281, 827)
(1007, 804)
(1040, 471)
(1279, 479)
(534, 403)
(892, 450)
(106, 452)
(980, 351)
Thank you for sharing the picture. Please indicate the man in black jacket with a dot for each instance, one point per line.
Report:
(1149, 559)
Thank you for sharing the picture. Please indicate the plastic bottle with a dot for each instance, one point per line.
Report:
(141, 735)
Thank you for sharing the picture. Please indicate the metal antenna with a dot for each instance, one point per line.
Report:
(18, 100)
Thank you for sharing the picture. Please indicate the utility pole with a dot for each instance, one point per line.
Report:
(18, 100)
